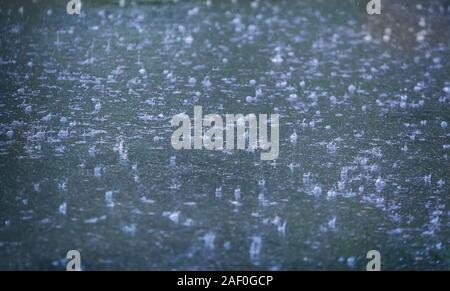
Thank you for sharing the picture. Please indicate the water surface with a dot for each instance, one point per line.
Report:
(86, 161)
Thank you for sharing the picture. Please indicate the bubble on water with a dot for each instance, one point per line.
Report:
(403, 99)
(227, 245)
(63, 120)
(341, 185)
(254, 4)
(173, 216)
(62, 185)
(351, 89)
(293, 137)
(255, 249)
(97, 171)
(208, 239)
(206, 82)
(218, 192)
(258, 92)
(317, 190)
(97, 107)
(189, 39)
(281, 84)
(10, 134)
(109, 198)
(379, 184)
(418, 87)
(332, 223)
(368, 37)
(252, 82)
(427, 179)
(63, 208)
(192, 81)
(63, 133)
(119, 147)
(47, 118)
(331, 146)
(344, 172)
(314, 62)
(94, 219)
(293, 97)
(281, 228)
(129, 229)
(306, 178)
(170, 77)
(173, 161)
(262, 182)
(237, 194)
(262, 198)
(39, 136)
(193, 11)
(404, 148)
(420, 36)
(277, 59)
(142, 71)
(248, 99)
(28, 109)
(146, 200)
(16, 123)
(444, 124)
(351, 262)
(422, 22)
(92, 150)
(331, 193)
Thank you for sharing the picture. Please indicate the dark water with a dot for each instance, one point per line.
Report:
(86, 161)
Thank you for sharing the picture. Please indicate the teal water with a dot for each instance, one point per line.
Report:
(86, 161)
